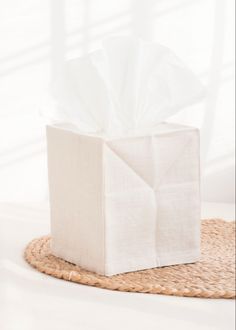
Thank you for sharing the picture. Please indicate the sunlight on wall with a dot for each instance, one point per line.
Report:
(37, 36)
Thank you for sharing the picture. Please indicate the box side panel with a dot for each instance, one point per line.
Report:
(177, 187)
(152, 201)
(75, 184)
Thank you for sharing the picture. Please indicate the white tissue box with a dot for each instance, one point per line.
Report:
(125, 204)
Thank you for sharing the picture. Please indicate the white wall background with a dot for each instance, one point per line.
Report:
(36, 36)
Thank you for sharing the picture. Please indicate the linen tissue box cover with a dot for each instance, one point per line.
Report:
(124, 185)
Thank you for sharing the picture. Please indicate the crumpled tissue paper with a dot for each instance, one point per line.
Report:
(125, 87)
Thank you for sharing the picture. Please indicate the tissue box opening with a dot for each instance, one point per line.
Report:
(121, 204)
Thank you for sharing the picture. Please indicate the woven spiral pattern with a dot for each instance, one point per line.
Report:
(212, 277)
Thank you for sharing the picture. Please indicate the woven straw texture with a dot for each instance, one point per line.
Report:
(212, 277)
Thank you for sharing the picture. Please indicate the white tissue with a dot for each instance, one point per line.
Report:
(127, 86)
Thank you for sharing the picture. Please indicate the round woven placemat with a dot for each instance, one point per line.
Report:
(212, 277)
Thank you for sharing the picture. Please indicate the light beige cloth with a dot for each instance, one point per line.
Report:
(125, 204)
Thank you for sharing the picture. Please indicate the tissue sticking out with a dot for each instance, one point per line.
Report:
(126, 86)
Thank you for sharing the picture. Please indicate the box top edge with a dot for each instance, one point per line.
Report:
(164, 128)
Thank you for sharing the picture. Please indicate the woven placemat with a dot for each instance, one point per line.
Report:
(212, 277)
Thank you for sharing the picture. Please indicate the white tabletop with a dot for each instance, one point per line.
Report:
(30, 300)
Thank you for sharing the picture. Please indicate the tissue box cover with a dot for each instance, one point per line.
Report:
(125, 204)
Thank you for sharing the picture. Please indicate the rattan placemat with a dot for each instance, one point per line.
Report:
(212, 277)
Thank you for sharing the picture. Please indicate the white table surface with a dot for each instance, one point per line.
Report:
(30, 300)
